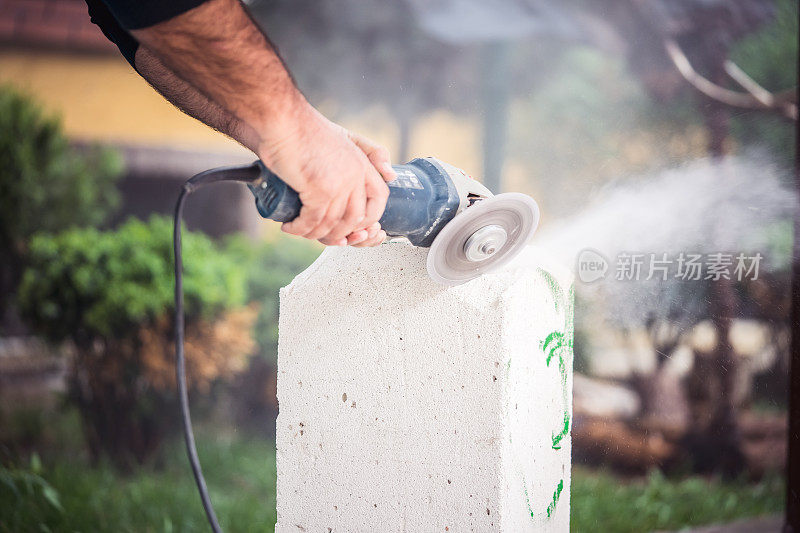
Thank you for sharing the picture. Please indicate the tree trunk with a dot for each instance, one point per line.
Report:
(715, 441)
(121, 419)
(723, 431)
(793, 460)
(11, 268)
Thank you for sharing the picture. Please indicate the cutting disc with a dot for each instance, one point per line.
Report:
(483, 237)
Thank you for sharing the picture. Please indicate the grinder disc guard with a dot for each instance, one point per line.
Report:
(483, 237)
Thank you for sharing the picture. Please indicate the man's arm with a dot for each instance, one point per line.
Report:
(190, 100)
(218, 50)
(195, 104)
(314, 155)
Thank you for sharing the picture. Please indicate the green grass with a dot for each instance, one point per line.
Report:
(240, 474)
(601, 502)
(63, 493)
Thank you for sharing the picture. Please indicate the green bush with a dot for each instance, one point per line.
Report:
(29, 497)
(111, 294)
(769, 56)
(45, 185)
(83, 284)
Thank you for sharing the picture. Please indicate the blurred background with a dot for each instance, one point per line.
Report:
(640, 126)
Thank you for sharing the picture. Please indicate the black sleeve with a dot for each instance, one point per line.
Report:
(138, 14)
(100, 15)
(115, 17)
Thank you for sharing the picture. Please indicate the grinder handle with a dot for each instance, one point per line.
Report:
(275, 199)
(421, 200)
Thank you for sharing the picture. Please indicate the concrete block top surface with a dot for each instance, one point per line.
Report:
(405, 405)
(402, 264)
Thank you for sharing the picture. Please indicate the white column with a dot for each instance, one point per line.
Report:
(408, 406)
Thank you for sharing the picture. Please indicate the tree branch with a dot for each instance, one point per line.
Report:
(756, 96)
(749, 84)
(783, 100)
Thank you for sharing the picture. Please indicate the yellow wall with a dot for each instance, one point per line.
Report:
(438, 134)
(101, 98)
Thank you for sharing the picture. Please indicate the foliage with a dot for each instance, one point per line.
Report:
(111, 294)
(84, 284)
(45, 185)
(214, 350)
(602, 502)
(25, 493)
(778, 239)
(770, 55)
(770, 58)
(241, 478)
(240, 475)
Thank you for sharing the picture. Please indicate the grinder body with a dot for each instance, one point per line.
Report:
(426, 195)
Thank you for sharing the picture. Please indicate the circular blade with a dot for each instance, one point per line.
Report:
(514, 212)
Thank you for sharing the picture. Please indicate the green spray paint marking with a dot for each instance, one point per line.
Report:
(570, 323)
(527, 498)
(560, 344)
(555, 287)
(557, 438)
(550, 508)
(556, 495)
(556, 337)
(557, 343)
(554, 345)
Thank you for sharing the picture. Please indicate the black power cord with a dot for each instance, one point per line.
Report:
(243, 174)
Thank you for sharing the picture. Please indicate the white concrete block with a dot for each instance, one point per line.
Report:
(409, 406)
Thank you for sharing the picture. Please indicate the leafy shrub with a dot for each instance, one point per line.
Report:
(84, 283)
(32, 498)
(45, 185)
(153, 498)
(111, 294)
(769, 56)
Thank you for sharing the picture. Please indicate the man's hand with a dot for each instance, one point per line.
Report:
(217, 53)
(339, 176)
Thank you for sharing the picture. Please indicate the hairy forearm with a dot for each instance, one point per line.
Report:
(233, 78)
(214, 62)
(190, 100)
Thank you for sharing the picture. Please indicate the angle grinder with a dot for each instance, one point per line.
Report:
(433, 204)
(469, 231)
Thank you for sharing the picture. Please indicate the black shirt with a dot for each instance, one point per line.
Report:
(116, 17)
